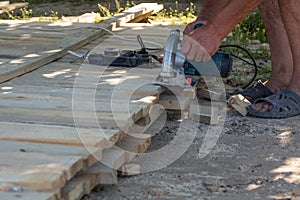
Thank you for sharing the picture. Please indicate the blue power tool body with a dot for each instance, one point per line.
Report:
(222, 60)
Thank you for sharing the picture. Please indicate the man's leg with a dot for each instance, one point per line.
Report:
(282, 63)
(290, 14)
(202, 43)
(290, 11)
(281, 55)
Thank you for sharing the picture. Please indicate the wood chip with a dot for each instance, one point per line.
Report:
(239, 103)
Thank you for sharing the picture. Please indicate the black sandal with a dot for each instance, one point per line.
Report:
(259, 90)
(285, 103)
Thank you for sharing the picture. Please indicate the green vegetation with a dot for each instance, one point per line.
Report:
(25, 14)
(175, 15)
(105, 11)
(251, 28)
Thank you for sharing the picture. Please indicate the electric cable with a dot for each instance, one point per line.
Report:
(254, 64)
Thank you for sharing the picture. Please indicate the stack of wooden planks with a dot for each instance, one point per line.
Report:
(51, 147)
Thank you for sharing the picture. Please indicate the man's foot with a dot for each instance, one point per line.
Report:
(259, 90)
(283, 104)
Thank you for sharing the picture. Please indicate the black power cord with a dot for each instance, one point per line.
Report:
(254, 64)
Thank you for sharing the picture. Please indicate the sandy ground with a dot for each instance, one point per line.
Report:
(253, 159)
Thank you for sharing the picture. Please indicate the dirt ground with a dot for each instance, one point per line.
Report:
(253, 158)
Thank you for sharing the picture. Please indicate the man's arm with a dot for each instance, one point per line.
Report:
(202, 43)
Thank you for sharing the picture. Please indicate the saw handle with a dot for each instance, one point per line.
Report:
(199, 25)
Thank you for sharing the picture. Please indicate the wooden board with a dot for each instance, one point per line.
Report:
(5, 6)
(38, 170)
(239, 103)
(52, 134)
(28, 195)
(89, 155)
(172, 102)
(34, 55)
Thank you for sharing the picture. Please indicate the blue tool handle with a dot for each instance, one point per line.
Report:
(199, 25)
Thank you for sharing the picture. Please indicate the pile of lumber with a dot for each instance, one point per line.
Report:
(50, 146)
(44, 156)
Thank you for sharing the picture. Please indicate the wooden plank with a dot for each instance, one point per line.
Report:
(133, 13)
(133, 144)
(28, 195)
(79, 114)
(52, 134)
(89, 78)
(11, 7)
(63, 112)
(136, 109)
(103, 110)
(129, 170)
(172, 102)
(84, 183)
(4, 3)
(239, 103)
(55, 121)
(105, 175)
(38, 170)
(9, 29)
(89, 155)
(202, 113)
(141, 126)
(25, 64)
(57, 94)
(76, 188)
(212, 95)
(113, 158)
(17, 91)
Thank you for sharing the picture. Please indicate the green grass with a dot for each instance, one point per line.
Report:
(174, 15)
(251, 28)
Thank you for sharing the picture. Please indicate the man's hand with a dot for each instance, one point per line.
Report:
(191, 26)
(200, 44)
(193, 50)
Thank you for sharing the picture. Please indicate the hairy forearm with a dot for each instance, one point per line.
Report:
(211, 8)
(230, 15)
